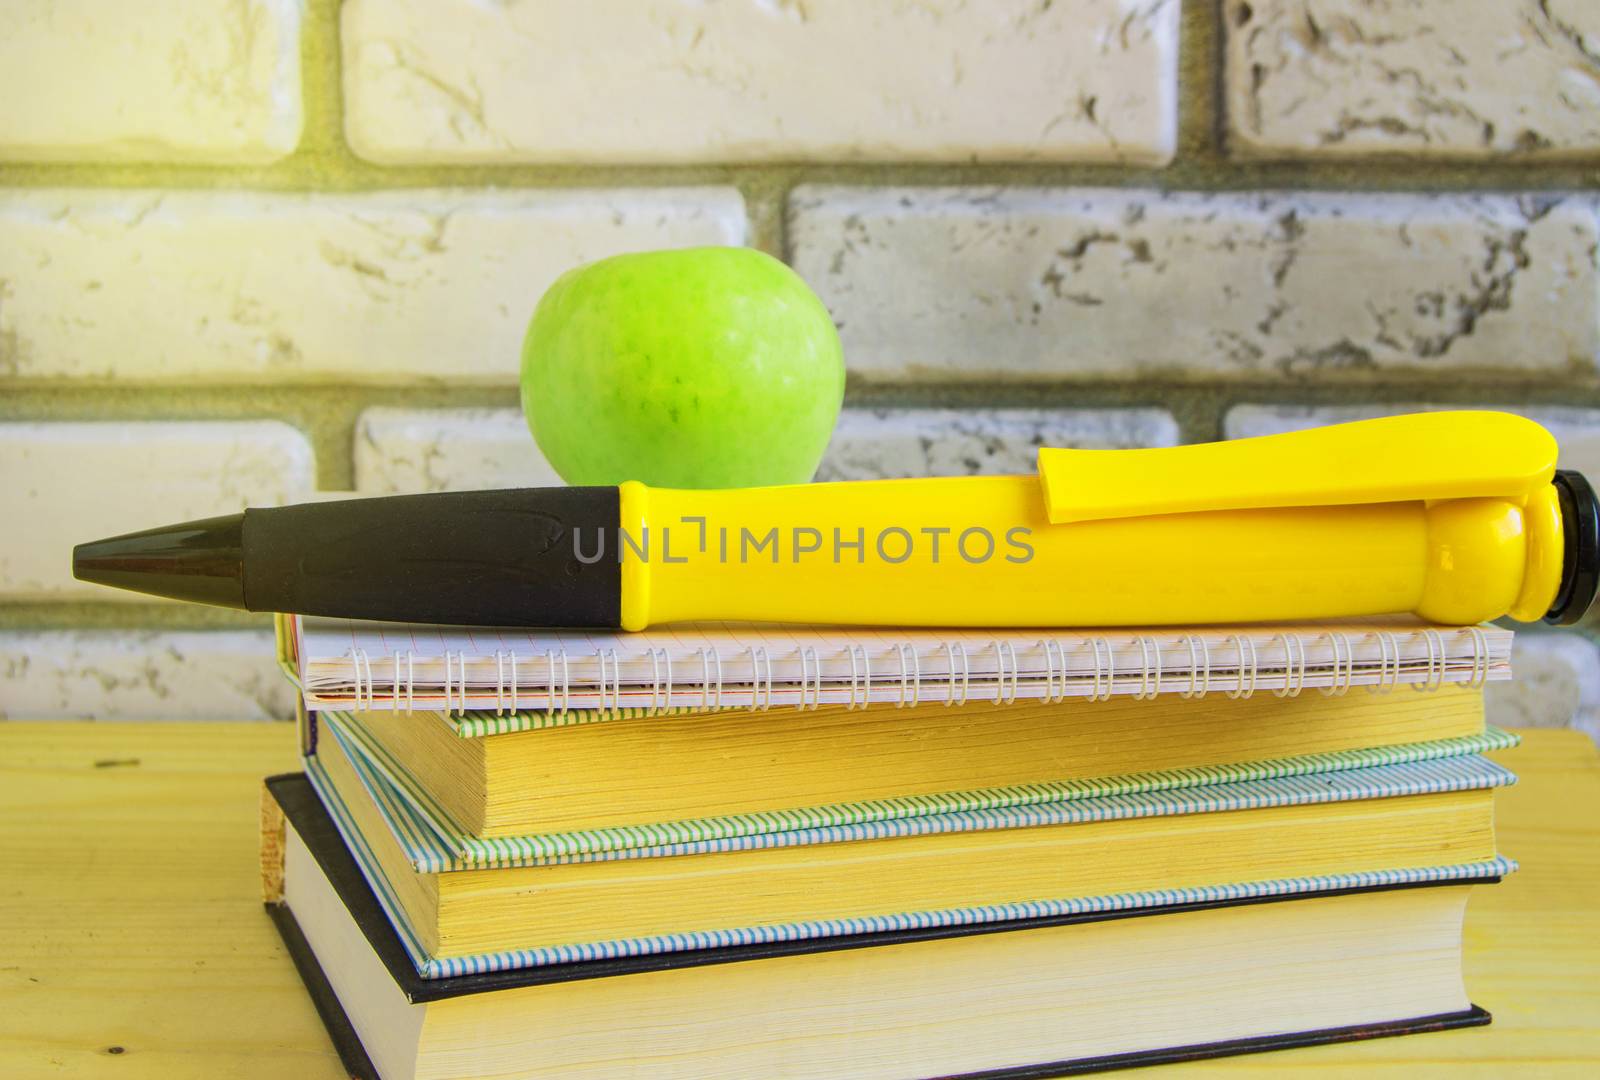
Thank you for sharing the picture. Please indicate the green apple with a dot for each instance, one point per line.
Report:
(697, 368)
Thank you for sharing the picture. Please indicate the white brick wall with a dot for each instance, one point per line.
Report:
(1468, 78)
(771, 80)
(178, 80)
(1577, 430)
(873, 443)
(429, 285)
(1556, 683)
(66, 483)
(141, 675)
(1036, 284)
(407, 450)
(179, 228)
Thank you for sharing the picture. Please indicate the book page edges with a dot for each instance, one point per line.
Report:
(272, 845)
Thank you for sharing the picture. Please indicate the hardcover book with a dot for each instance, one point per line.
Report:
(467, 904)
(1131, 981)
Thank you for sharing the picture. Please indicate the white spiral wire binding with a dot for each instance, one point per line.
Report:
(1388, 663)
(1436, 662)
(705, 678)
(658, 657)
(1106, 671)
(1052, 650)
(1293, 681)
(758, 658)
(411, 678)
(910, 676)
(363, 661)
(1343, 668)
(1001, 648)
(860, 669)
(1480, 658)
(566, 683)
(966, 673)
(1342, 678)
(616, 679)
(809, 660)
(1241, 690)
(1199, 653)
(1147, 691)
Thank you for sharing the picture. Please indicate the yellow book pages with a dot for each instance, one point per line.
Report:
(478, 911)
(681, 767)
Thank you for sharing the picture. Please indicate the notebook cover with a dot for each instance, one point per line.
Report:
(433, 847)
(1447, 775)
(458, 849)
(304, 810)
(301, 806)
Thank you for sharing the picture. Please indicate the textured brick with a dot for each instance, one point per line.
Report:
(769, 80)
(395, 285)
(871, 443)
(179, 80)
(1038, 284)
(142, 675)
(1556, 683)
(1468, 78)
(408, 450)
(1577, 430)
(73, 482)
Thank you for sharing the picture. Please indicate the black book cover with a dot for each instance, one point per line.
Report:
(301, 806)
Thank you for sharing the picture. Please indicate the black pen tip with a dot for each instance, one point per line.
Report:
(197, 561)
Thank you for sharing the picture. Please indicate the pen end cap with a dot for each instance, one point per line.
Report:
(1580, 527)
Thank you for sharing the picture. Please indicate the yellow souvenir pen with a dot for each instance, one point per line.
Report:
(1456, 516)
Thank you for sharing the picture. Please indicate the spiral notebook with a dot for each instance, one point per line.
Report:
(345, 664)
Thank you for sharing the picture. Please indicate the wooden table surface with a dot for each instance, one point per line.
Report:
(136, 945)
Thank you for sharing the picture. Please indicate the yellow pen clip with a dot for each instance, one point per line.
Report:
(1482, 476)
(1421, 457)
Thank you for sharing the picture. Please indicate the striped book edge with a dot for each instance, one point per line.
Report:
(478, 724)
(435, 844)
(433, 851)
(430, 967)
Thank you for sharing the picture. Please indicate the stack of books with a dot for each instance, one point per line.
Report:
(733, 851)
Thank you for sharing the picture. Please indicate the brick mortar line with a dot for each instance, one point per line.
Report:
(243, 400)
(308, 174)
(328, 415)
